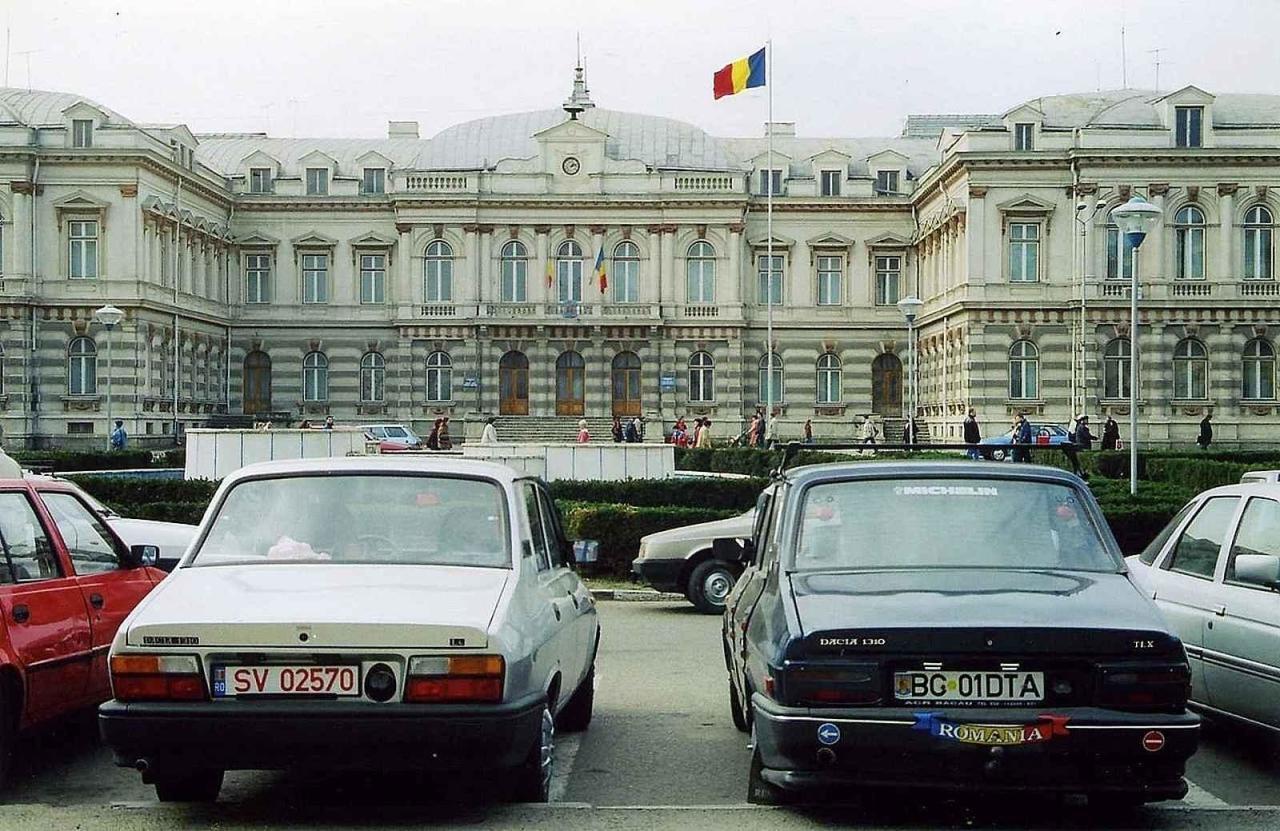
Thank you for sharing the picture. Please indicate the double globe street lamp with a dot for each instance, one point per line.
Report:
(109, 316)
(1135, 219)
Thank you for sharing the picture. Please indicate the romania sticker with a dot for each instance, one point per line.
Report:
(1044, 728)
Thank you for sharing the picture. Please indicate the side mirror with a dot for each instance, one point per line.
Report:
(586, 552)
(1258, 570)
(733, 550)
(143, 555)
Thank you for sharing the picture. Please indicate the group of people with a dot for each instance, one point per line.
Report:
(699, 436)
(439, 438)
(630, 431)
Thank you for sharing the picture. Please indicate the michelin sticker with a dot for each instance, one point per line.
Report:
(828, 734)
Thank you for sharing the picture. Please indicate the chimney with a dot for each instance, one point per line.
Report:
(402, 129)
(780, 128)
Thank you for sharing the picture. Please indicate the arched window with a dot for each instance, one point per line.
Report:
(771, 379)
(373, 378)
(82, 367)
(1024, 370)
(1115, 370)
(1258, 257)
(701, 270)
(1190, 371)
(515, 272)
(626, 273)
(1119, 255)
(702, 378)
(1188, 234)
(438, 271)
(829, 377)
(315, 377)
(439, 377)
(569, 272)
(1259, 370)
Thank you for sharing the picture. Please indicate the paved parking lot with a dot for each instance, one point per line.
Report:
(661, 752)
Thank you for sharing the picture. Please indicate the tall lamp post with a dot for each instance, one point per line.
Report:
(109, 316)
(910, 307)
(1135, 219)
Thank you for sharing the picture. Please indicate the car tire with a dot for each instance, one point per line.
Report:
(531, 781)
(189, 786)
(760, 792)
(576, 714)
(709, 586)
(998, 455)
(735, 710)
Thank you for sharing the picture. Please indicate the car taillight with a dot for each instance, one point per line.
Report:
(452, 680)
(1149, 687)
(157, 678)
(822, 686)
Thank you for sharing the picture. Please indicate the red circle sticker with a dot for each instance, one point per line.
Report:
(1153, 741)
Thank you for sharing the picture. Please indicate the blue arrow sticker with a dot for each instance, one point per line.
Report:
(828, 734)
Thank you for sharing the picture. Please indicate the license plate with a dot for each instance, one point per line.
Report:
(286, 679)
(962, 686)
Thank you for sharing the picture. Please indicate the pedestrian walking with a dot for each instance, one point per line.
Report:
(808, 431)
(631, 433)
(751, 430)
(433, 438)
(1022, 436)
(761, 424)
(1110, 434)
(616, 429)
(1080, 439)
(328, 422)
(638, 422)
(584, 435)
(444, 440)
(119, 438)
(912, 432)
(972, 434)
(869, 432)
(704, 437)
(490, 434)
(1206, 433)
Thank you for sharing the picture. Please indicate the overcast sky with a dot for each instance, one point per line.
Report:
(853, 68)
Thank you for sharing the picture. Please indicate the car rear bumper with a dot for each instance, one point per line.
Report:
(263, 735)
(1086, 749)
(663, 575)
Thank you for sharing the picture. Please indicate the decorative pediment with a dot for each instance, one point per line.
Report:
(318, 158)
(1189, 94)
(762, 159)
(259, 159)
(1025, 204)
(830, 158)
(83, 109)
(888, 240)
(80, 201)
(257, 239)
(373, 239)
(178, 132)
(313, 239)
(374, 159)
(779, 242)
(1024, 113)
(571, 130)
(887, 158)
(830, 241)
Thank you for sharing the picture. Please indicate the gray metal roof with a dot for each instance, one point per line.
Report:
(40, 108)
(1141, 108)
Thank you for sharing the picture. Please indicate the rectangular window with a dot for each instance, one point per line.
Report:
(375, 181)
(373, 278)
(831, 182)
(257, 278)
(770, 271)
(1196, 552)
(1024, 136)
(82, 132)
(1189, 126)
(888, 280)
(1119, 256)
(830, 279)
(79, 428)
(259, 180)
(1024, 252)
(771, 182)
(317, 181)
(315, 278)
(887, 182)
(626, 280)
(83, 249)
(515, 279)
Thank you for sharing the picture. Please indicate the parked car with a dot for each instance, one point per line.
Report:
(365, 612)
(997, 447)
(171, 538)
(1215, 573)
(964, 626)
(682, 560)
(1258, 476)
(67, 580)
(393, 436)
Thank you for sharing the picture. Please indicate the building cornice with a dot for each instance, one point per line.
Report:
(131, 156)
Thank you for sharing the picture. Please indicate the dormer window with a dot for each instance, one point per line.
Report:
(887, 182)
(1189, 126)
(82, 132)
(259, 180)
(374, 182)
(1024, 136)
(771, 181)
(317, 181)
(831, 182)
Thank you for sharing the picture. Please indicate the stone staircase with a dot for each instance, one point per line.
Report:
(553, 429)
(894, 431)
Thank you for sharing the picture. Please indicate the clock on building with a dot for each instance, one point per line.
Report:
(571, 166)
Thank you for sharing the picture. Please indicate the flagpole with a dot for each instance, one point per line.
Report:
(768, 129)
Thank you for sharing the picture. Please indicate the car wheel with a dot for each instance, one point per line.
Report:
(710, 585)
(532, 780)
(760, 792)
(576, 714)
(998, 455)
(735, 710)
(189, 786)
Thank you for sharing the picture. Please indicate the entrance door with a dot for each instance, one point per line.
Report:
(571, 387)
(513, 384)
(626, 384)
(257, 383)
(886, 385)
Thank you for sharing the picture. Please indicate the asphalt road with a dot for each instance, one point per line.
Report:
(661, 753)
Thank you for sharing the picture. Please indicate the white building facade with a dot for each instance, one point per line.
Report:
(407, 279)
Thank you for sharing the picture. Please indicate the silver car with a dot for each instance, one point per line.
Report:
(681, 560)
(1215, 573)
(367, 613)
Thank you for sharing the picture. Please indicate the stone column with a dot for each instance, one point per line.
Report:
(976, 222)
(802, 294)
(1224, 264)
(668, 267)
(655, 267)
(20, 233)
(538, 291)
(469, 290)
(1153, 247)
(732, 291)
(1088, 266)
(400, 289)
(484, 288)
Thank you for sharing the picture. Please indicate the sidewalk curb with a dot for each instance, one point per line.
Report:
(635, 595)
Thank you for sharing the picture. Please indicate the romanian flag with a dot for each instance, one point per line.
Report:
(551, 271)
(600, 272)
(745, 73)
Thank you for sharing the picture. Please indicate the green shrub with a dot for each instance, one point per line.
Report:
(620, 527)
(127, 490)
(64, 460)
(727, 494)
(188, 512)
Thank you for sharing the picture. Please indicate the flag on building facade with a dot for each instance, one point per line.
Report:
(551, 271)
(745, 73)
(600, 271)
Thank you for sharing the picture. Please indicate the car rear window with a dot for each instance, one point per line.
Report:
(877, 524)
(389, 519)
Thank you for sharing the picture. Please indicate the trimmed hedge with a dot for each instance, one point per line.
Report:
(63, 460)
(722, 494)
(620, 527)
(127, 490)
(189, 512)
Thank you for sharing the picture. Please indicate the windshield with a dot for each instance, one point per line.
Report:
(397, 432)
(410, 520)
(948, 523)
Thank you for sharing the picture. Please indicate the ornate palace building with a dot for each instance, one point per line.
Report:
(408, 278)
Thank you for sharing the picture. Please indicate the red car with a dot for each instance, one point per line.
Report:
(67, 582)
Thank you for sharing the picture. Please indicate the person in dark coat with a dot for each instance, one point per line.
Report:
(1022, 435)
(1206, 433)
(759, 428)
(972, 434)
(1110, 434)
(1083, 438)
(631, 433)
(616, 429)
(433, 439)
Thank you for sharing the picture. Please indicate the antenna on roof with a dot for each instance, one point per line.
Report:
(580, 98)
(1124, 61)
(1157, 52)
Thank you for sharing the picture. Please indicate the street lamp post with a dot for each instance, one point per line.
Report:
(910, 307)
(109, 316)
(1135, 219)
